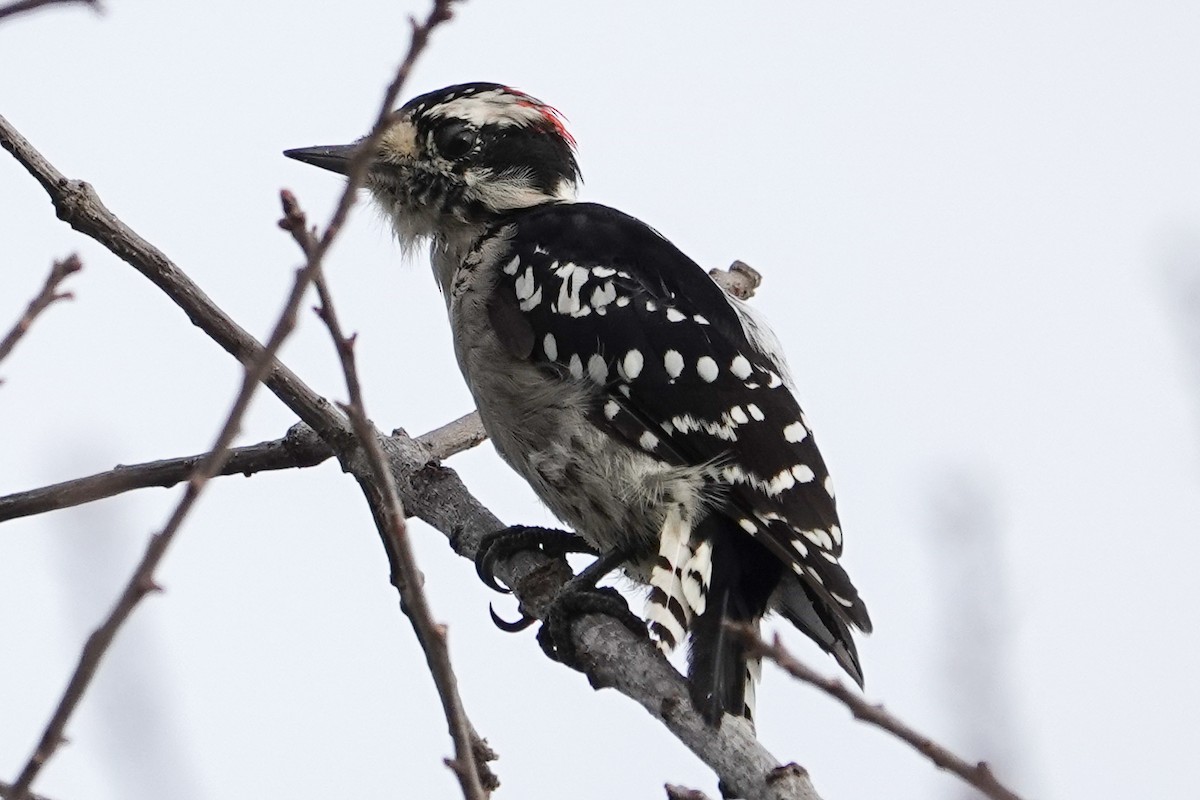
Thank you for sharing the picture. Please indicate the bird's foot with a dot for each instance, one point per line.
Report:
(501, 544)
(581, 596)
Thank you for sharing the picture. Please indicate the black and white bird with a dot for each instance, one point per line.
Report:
(646, 407)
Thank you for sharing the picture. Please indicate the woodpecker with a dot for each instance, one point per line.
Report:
(648, 409)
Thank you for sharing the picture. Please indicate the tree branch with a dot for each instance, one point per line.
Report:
(475, 778)
(978, 775)
(22, 6)
(142, 583)
(301, 447)
(613, 655)
(48, 296)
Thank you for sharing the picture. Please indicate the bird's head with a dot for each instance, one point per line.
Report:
(454, 161)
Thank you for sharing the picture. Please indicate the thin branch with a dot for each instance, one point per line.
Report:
(142, 583)
(7, 788)
(48, 296)
(258, 367)
(978, 775)
(613, 656)
(455, 437)
(22, 6)
(473, 777)
(740, 280)
(301, 447)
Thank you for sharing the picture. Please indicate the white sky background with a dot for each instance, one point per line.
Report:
(967, 216)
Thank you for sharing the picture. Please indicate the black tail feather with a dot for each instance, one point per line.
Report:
(744, 574)
(820, 623)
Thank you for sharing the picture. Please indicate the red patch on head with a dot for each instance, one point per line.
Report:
(552, 115)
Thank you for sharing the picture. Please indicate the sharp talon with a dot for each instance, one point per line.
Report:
(511, 627)
(485, 564)
(483, 568)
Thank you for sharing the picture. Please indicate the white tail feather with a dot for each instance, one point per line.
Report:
(669, 620)
(753, 676)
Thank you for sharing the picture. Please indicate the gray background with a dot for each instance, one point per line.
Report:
(979, 229)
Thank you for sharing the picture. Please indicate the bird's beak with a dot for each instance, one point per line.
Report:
(334, 157)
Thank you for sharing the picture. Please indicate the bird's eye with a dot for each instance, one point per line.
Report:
(455, 139)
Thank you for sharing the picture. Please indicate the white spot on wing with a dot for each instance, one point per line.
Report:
(755, 412)
(740, 367)
(550, 347)
(648, 441)
(738, 415)
(795, 432)
(611, 409)
(603, 295)
(803, 473)
(675, 315)
(597, 368)
(530, 303)
(572, 279)
(576, 366)
(511, 267)
(707, 368)
(632, 364)
(525, 285)
(673, 363)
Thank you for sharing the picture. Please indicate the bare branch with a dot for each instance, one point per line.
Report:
(6, 790)
(22, 6)
(48, 296)
(978, 775)
(741, 280)
(301, 447)
(614, 657)
(455, 437)
(406, 577)
(142, 583)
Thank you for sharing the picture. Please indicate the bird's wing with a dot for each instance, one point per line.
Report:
(677, 375)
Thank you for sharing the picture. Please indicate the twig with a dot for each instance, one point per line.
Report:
(48, 296)
(978, 775)
(6, 793)
(142, 581)
(472, 776)
(740, 280)
(21, 6)
(301, 447)
(455, 437)
(613, 655)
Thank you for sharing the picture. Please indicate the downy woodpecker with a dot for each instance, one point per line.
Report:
(648, 409)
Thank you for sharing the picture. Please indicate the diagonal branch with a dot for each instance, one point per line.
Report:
(978, 775)
(23, 6)
(301, 447)
(613, 655)
(142, 582)
(475, 778)
(48, 296)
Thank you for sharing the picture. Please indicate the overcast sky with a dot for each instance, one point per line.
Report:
(977, 224)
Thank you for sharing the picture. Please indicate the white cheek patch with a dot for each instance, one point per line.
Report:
(399, 141)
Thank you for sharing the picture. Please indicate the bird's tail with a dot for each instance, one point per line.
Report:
(744, 573)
